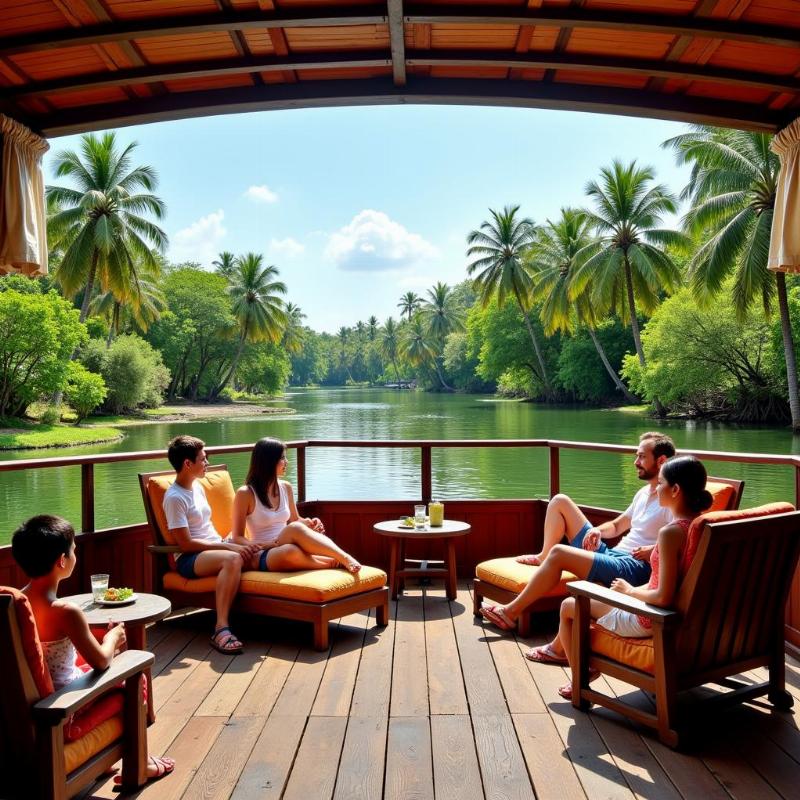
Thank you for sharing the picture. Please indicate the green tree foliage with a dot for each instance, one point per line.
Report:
(84, 391)
(310, 364)
(707, 362)
(132, 370)
(40, 332)
(264, 369)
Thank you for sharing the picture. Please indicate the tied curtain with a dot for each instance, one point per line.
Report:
(784, 245)
(23, 231)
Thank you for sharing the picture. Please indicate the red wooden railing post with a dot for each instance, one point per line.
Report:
(427, 475)
(555, 474)
(87, 498)
(797, 486)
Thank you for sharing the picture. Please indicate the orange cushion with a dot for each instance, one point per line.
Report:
(80, 751)
(219, 493)
(636, 653)
(722, 493)
(94, 715)
(310, 586)
(31, 645)
(509, 574)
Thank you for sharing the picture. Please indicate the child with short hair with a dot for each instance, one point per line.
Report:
(44, 548)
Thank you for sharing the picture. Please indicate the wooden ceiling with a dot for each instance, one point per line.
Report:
(69, 66)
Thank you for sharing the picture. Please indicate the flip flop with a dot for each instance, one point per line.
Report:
(545, 655)
(565, 691)
(229, 645)
(498, 617)
(530, 560)
(163, 767)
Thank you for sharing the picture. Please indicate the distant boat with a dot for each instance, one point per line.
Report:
(401, 385)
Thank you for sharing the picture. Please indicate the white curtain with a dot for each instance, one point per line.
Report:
(784, 245)
(23, 219)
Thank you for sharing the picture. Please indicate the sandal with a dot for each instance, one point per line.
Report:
(227, 645)
(530, 561)
(162, 765)
(565, 691)
(545, 655)
(498, 617)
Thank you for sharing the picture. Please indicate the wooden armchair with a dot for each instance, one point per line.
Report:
(727, 618)
(502, 579)
(35, 759)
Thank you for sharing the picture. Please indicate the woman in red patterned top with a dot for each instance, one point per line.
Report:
(681, 489)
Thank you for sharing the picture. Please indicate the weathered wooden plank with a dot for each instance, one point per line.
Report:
(373, 687)
(300, 689)
(363, 758)
(519, 688)
(177, 672)
(502, 765)
(317, 762)
(455, 762)
(231, 687)
(268, 682)
(267, 768)
(336, 688)
(550, 768)
(408, 759)
(220, 770)
(410, 692)
(169, 647)
(445, 685)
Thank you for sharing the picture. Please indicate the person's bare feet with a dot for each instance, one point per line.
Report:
(532, 560)
(326, 561)
(157, 767)
(351, 565)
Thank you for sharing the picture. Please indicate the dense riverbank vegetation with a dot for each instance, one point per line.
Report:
(602, 304)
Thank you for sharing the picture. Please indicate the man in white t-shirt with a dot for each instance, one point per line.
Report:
(587, 555)
(203, 551)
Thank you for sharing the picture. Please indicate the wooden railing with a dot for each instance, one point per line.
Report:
(426, 446)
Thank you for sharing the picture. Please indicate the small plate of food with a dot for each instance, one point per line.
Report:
(117, 597)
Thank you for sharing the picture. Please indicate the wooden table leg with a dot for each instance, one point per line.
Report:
(401, 582)
(451, 580)
(137, 640)
(393, 553)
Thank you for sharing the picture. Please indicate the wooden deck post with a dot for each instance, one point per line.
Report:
(300, 455)
(87, 498)
(427, 479)
(555, 474)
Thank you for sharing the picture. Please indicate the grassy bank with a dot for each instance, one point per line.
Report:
(19, 435)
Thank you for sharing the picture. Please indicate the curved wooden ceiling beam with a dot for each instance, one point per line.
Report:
(379, 58)
(378, 91)
(572, 16)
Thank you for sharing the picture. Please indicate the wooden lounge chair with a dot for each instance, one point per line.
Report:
(502, 579)
(35, 759)
(727, 618)
(315, 596)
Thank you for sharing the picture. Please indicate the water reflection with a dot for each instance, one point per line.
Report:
(359, 473)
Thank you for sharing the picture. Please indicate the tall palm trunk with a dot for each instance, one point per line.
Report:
(611, 371)
(788, 351)
(444, 383)
(87, 292)
(536, 348)
(232, 371)
(113, 328)
(637, 338)
(396, 372)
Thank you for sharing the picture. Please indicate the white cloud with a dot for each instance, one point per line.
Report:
(374, 242)
(261, 194)
(288, 247)
(200, 241)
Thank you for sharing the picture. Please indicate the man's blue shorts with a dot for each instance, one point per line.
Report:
(610, 563)
(184, 563)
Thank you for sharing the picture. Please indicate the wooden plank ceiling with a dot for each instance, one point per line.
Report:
(69, 66)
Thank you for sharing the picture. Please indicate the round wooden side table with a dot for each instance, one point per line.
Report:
(135, 616)
(398, 535)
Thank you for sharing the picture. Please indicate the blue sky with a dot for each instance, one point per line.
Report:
(356, 206)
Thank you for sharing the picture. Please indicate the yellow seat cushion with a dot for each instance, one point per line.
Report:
(636, 653)
(219, 493)
(509, 574)
(81, 750)
(310, 586)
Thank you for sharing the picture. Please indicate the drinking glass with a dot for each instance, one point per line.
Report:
(99, 586)
(419, 517)
(436, 510)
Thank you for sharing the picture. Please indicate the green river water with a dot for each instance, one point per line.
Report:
(594, 478)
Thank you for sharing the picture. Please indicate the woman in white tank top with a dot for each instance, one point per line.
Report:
(264, 512)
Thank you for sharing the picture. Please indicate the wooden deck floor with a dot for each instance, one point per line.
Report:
(434, 706)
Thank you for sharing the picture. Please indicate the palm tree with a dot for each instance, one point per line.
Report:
(500, 245)
(732, 192)
(409, 303)
(99, 225)
(256, 306)
(627, 262)
(552, 260)
(225, 264)
(390, 344)
(419, 347)
(372, 328)
(344, 337)
(293, 332)
(442, 316)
